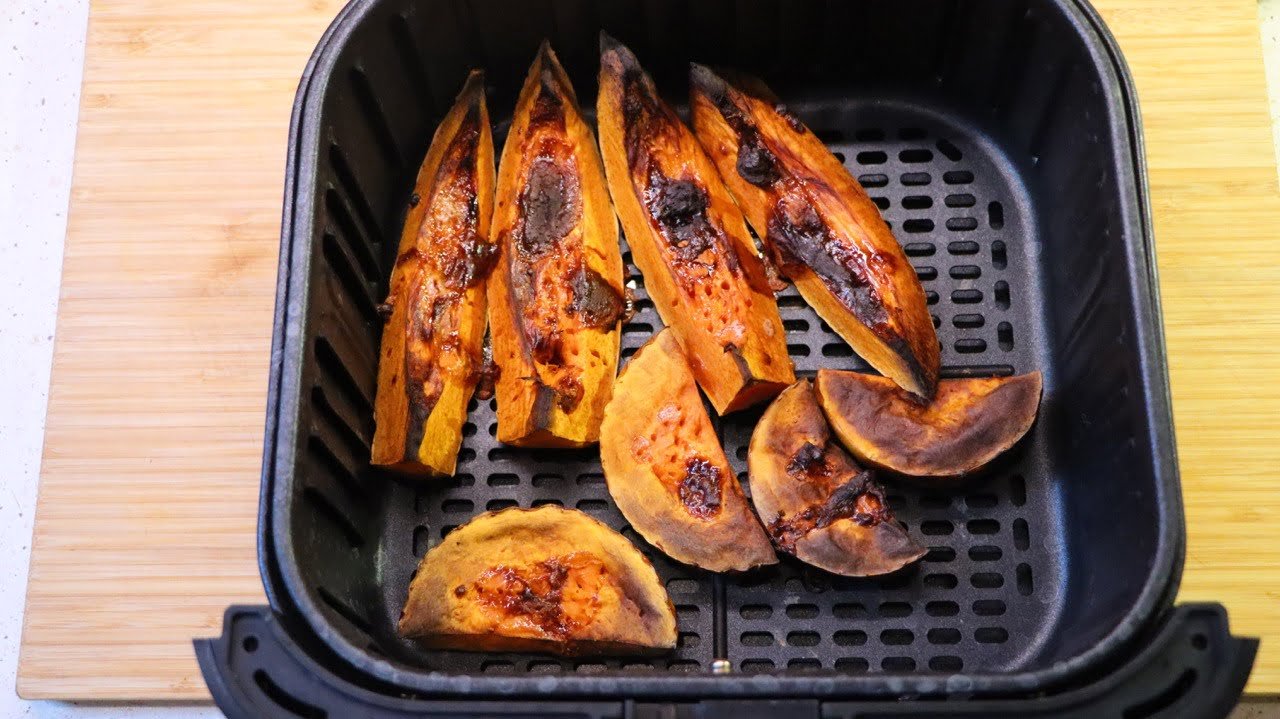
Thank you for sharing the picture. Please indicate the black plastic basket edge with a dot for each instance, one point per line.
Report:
(294, 606)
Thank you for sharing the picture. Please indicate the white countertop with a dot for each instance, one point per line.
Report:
(41, 63)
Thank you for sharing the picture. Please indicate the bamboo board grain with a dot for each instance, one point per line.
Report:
(145, 524)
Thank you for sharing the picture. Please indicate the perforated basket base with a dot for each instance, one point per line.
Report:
(982, 597)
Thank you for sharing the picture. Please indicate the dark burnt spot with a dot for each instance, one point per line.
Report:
(568, 393)
(595, 301)
(680, 209)
(547, 106)
(700, 488)
(549, 206)
(414, 199)
(546, 346)
(756, 162)
(808, 461)
(860, 499)
(459, 590)
(386, 308)
(798, 238)
(422, 381)
(645, 115)
(792, 121)
(558, 596)
(532, 595)
(481, 257)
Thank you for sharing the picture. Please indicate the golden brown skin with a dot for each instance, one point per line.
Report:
(688, 238)
(969, 423)
(665, 468)
(544, 580)
(555, 297)
(819, 227)
(434, 330)
(815, 501)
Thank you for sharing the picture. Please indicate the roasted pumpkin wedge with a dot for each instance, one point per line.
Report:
(970, 421)
(666, 471)
(435, 311)
(547, 580)
(816, 503)
(689, 240)
(555, 298)
(819, 227)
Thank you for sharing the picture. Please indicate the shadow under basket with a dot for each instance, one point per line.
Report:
(1001, 140)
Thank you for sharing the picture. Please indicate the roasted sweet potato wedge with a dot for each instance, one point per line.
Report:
(434, 330)
(547, 580)
(666, 471)
(555, 297)
(700, 265)
(819, 227)
(970, 422)
(816, 503)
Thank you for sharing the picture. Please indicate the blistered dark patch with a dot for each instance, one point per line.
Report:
(548, 207)
(792, 121)
(797, 238)
(808, 461)
(700, 488)
(546, 345)
(756, 162)
(547, 107)
(422, 381)
(860, 500)
(595, 301)
(680, 209)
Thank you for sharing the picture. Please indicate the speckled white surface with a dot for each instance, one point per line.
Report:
(41, 60)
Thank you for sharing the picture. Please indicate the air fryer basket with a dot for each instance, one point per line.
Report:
(1001, 140)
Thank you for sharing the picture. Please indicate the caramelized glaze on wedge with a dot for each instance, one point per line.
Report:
(817, 504)
(688, 238)
(547, 579)
(435, 312)
(555, 298)
(819, 227)
(665, 468)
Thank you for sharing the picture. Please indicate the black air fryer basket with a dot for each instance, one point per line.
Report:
(1001, 139)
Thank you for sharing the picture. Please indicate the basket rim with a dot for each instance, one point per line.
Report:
(282, 578)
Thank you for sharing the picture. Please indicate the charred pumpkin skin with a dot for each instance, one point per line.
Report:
(817, 504)
(555, 298)
(544, 580)
(434, 331)
(666, 471)
(819, 227)
(689, 240)
(970, 422)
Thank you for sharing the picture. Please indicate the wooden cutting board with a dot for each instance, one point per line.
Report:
(148, 496)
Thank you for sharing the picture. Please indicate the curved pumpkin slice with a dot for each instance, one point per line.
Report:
(970, 422)
(547, 579)
(665, 468)
(819, 228)
(434, 332)
(555, 298)
(815, 501)
(688, 238)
